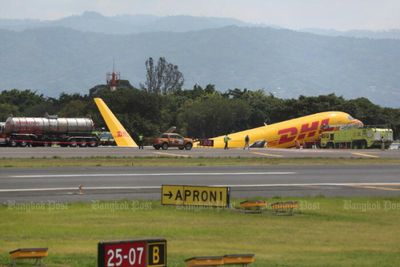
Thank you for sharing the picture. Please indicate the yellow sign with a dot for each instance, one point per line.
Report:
(183, 195)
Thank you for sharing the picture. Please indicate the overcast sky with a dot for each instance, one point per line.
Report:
(334, 14)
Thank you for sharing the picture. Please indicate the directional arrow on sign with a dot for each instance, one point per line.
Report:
(192, 195)
(169, 195)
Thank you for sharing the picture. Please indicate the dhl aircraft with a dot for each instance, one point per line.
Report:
(287, 133)
(120, 135)
(278, 135)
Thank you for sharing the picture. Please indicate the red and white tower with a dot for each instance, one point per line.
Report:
(113, 79)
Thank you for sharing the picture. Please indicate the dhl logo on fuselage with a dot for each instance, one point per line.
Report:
(122, 134)
(307, 130)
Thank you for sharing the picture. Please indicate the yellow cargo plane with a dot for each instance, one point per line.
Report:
(289, 133)
(121, 136)
(284, 134)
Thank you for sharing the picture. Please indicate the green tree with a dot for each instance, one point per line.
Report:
(23, 99)
(7, 110)
(163, 78)
(214, 115)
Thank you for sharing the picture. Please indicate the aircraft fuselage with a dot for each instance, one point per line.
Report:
(287, 133)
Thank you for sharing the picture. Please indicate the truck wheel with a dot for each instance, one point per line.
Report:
(188, 146)
(73, 143)
(181, 147)
(363, 144)
(93, 143)
(164, 146)
(330, 145)
(13, 143)
(353, 145)
(83, 143)
(157, 147)
(23, 144)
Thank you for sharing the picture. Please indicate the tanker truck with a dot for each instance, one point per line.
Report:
(2, 134)
(48, 131)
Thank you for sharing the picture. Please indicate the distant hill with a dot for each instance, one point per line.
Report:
(124, 24)
(90, 21)
(287, 63)
(388, 34)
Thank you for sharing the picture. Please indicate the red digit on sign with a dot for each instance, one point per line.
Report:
(288, 135)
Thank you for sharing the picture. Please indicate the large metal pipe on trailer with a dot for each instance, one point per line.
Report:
(48, 125)
(35, 131)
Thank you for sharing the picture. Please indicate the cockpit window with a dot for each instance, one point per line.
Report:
(350, 118)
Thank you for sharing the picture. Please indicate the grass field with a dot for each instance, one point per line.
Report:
(325, 232)
(168, 161)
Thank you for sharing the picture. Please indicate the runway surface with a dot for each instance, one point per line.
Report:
(113, 183)
(49, 152)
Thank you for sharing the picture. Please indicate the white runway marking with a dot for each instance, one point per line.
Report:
(266, 154)
(171, 154)
(150, 174)
(77, 188)
(311, 184)
(365, 155)
(159, 187)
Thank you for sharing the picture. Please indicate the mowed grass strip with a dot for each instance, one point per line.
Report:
(326, 231)
(168, 161)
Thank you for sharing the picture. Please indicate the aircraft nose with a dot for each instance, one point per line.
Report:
(357, 123)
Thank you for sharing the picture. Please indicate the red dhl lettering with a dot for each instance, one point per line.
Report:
(122, 134)
(288, 135)
(306, 130)
(310, 130)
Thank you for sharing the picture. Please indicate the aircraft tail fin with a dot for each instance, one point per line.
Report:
(121, 136)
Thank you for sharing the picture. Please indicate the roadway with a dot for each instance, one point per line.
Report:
(49, 152)
(113, 183)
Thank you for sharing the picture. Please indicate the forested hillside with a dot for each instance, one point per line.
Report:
(284, 62)
(198, 112)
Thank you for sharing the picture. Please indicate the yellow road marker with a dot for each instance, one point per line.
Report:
(268, 155)
(365, 155)
(171, 154)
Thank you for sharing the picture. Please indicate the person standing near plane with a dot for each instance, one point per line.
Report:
(140, 141)
(246, 142)
(226, 140)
